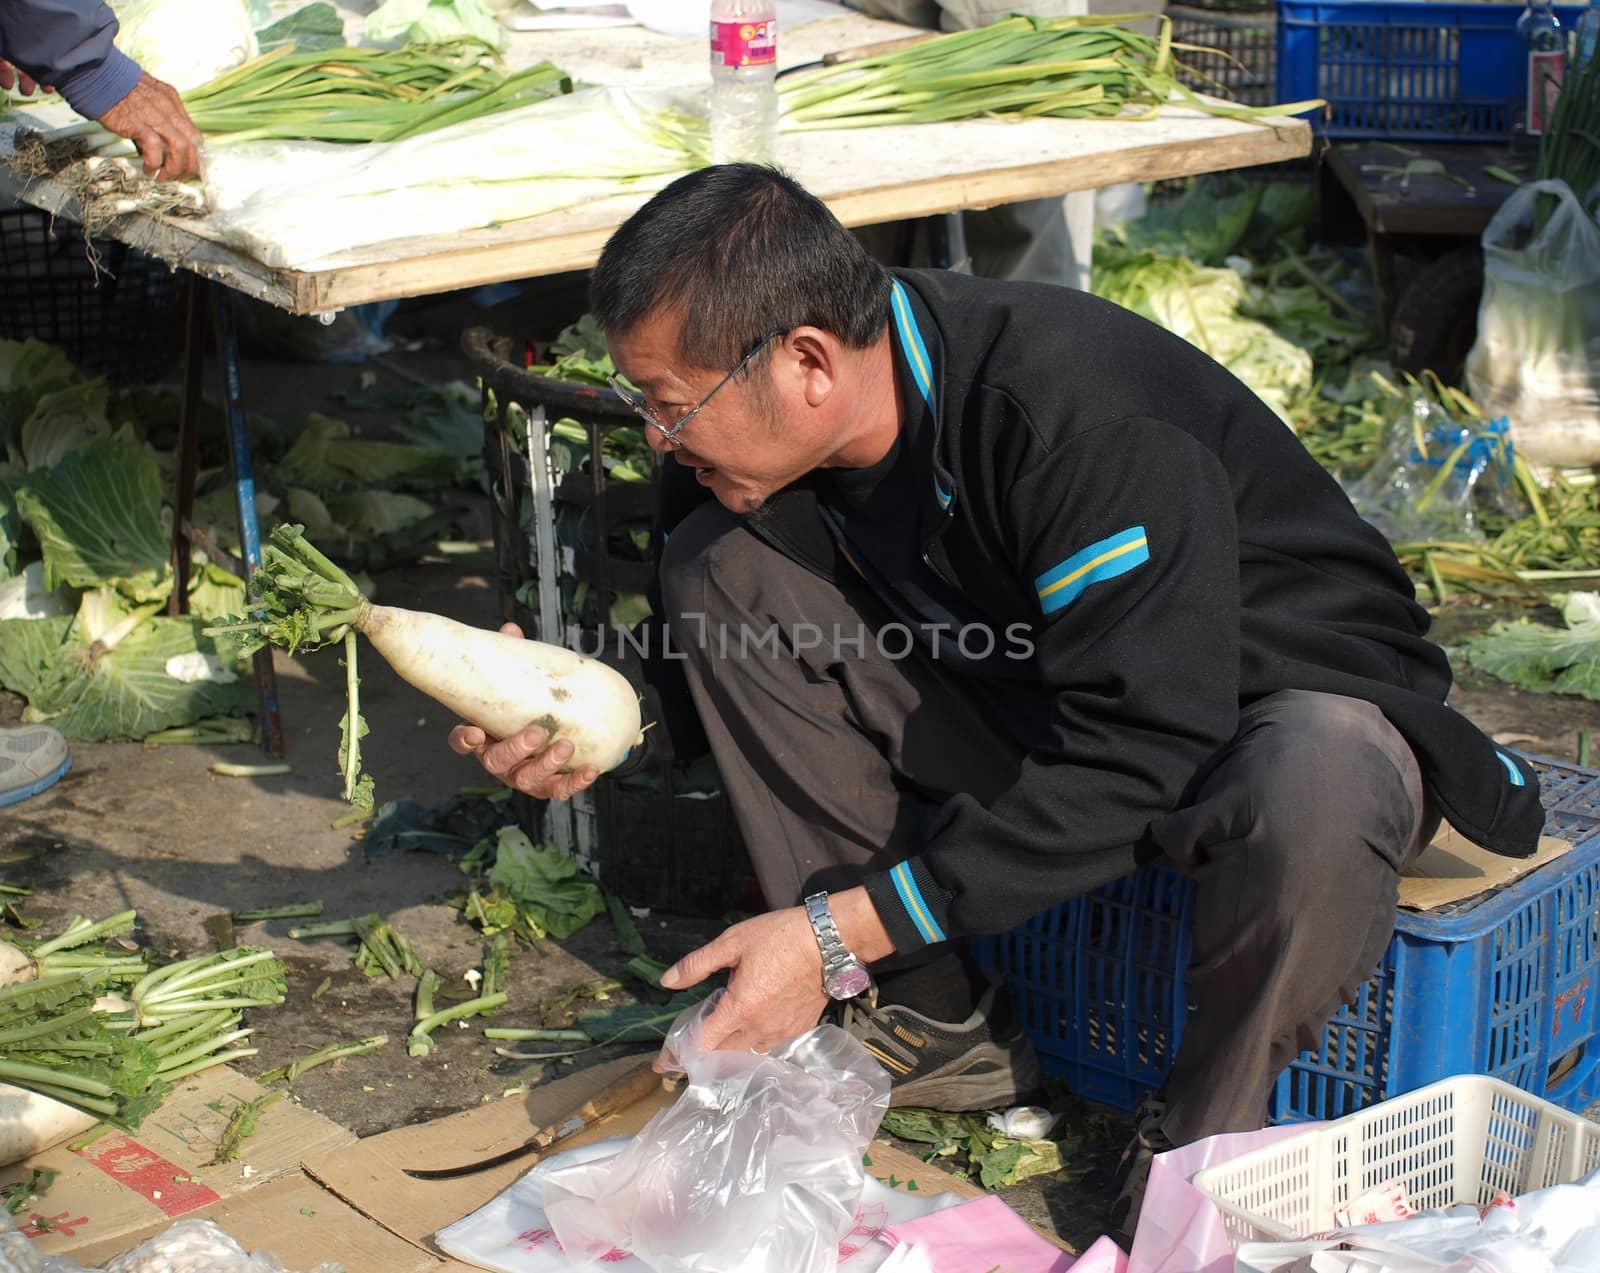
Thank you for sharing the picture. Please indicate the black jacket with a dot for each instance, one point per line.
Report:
(1177, 554)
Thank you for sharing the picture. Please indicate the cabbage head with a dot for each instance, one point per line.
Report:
(187, 43)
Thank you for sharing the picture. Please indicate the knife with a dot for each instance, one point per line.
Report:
(860, 51)
(617, 1095)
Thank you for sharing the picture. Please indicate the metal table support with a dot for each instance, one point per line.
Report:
(208, 302)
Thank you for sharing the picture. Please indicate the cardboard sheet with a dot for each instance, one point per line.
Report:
(370, 1174)
(1453, 868)
(299, 1222)
(122, 1187)
(314, 1192)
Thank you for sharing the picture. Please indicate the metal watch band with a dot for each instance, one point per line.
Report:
(843, 975)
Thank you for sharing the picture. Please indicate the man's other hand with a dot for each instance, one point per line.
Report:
(12, 77)
(529, 762)
(153, 118)
(775, 991)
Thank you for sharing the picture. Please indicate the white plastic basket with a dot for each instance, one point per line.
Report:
(1462, 1140)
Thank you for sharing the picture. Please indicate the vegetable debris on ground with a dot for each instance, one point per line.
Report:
(322, 1056)
(240, 1127)
(979, 1152)
(625, 1023)
(381, 951)
(1535, 656)
(500, 683)
(530, 890)
(1237, 252)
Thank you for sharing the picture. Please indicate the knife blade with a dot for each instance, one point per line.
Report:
(617, 1095)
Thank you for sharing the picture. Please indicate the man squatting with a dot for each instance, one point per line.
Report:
(1227, 671)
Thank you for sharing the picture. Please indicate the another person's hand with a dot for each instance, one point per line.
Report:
(775, 991)
(529, 762)
(153, 118)
(13, 77)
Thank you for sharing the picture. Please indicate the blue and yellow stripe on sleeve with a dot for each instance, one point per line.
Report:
(1065, 582)
(905, 884)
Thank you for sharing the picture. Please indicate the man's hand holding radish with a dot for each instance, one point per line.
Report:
(529, 762)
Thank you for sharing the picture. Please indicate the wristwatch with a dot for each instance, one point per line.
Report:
(843, 975)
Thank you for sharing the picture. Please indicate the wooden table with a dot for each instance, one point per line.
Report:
(865, 175)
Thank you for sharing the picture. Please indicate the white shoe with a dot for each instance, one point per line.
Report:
(32, 758)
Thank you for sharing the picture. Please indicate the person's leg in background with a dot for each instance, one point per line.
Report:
(33, 758)
(832, 755)
(1295, 839)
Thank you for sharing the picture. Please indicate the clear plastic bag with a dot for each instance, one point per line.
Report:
(756, 1167)
(1537, 353)
(1436, 471)
(189, 1246)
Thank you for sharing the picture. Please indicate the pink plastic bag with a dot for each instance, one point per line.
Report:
(981, 1234)
(1180, 1230)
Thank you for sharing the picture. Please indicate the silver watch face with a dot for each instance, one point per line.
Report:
(847, 982)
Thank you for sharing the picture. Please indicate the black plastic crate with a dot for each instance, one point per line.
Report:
(1239, 58)
(663, 836)
(116, 311)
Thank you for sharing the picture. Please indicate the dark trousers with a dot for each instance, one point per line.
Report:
(831, 753)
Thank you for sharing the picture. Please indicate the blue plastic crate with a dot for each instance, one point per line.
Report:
(1508, 987)
(1406, 68)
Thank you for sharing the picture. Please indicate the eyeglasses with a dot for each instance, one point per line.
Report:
(670, 432)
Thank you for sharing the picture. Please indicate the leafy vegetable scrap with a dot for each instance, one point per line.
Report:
(532, 891)
(1535, 656)
(976, 1150)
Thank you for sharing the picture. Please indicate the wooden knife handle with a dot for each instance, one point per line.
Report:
(620, 1093)
(872, 50)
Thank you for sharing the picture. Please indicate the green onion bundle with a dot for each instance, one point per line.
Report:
(1569, 150)
(1078, 67)
(332, 95)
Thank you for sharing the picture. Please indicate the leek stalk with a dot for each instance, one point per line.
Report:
(1079, 67)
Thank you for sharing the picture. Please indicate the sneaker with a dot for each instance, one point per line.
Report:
(1133, 1170)
(984, 1062)
(32, 758)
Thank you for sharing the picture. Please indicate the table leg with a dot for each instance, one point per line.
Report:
(950, 244)
(194, 340)
(245, 496)
(1383, 277)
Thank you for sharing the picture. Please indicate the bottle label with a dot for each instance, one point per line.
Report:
(1546, 69)
(744, 43)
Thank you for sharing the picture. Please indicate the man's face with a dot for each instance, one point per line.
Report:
(747, 442)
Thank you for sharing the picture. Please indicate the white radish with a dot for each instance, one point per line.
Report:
(30, 1123)
(503, 684)
(15, 965)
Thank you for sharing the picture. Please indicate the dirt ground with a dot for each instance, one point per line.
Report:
(153, 829)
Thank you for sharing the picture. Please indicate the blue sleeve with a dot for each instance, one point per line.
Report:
(68, 43)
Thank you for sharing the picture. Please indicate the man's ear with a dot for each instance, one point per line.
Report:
(814, 359)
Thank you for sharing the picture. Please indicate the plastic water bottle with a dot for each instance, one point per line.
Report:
(744, 89)
(1540, 32)
(1586, 36)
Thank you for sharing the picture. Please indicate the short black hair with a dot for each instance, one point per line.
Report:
(743, 250)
